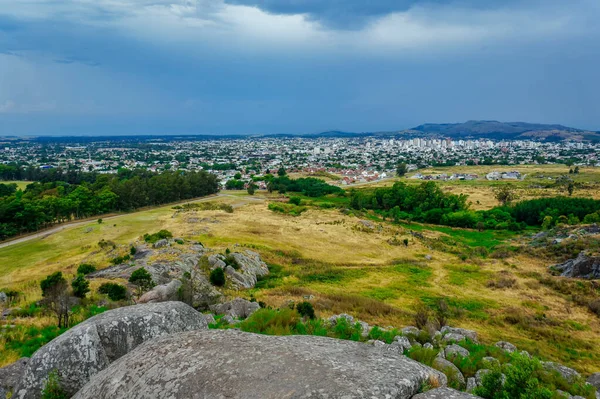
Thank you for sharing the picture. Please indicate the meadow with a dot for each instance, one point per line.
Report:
(353, 262)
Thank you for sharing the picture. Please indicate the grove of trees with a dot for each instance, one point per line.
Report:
(60, 196)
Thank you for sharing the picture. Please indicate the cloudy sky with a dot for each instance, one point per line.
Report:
(272, 66)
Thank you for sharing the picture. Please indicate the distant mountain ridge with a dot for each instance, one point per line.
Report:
(483, 130)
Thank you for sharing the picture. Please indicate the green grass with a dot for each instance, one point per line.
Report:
(466, 274)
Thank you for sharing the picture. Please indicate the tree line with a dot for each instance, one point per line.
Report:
(61, 196)
(428, 203)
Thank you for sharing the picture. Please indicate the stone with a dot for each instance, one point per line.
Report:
(563, 394)
(410, 330)
(453, 337)
(428, 257)
(234, 364)
(401, 343)
(444, 393)
(471, 384)
(228, 319)
(237, 308)
(583, 266)
(567, 373)
(10, 375)
(507, 346)
(215, 261)
(453, 350)
(91, 346)
(472, 335)
(162, 293)
(160, 243)
(376, 342)
(364, 329)
(210, 318)
(3, 297)
(333, 319)
(594, 380)
(451, 371)
(427, 345)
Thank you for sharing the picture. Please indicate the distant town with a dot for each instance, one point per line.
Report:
(344, 161)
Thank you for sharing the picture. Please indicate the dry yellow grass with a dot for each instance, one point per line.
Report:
(376, 281)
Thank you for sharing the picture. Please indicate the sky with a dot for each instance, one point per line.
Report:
(113, 67)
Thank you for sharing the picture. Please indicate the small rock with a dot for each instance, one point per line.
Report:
(333, 319)
(507, 346)
(228, 319)
(364, 329)
(160, 243)
(238, 307)
(594, 380)
(410, 330)
(210, 318)
(376, 342)
(428, 346)
(3, 297)
(567, 373)
(472, 335)
(403, 342)
(452, 350)
(428, 257)
(448, 368)
(471, 384)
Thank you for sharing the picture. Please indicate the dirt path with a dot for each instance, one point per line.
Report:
(243, 200)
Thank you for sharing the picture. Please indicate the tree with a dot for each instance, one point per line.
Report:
(281, 172)
(237, 176)
(251, 188)
(401, 169)
(56, 297)
(505, 194)
(142, 279)
(576, 171)
(571, 188)
(305, 309)
(80, 286)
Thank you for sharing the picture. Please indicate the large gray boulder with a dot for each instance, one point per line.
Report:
(91, 346)
(444, 393)
(162, 293)
(237, 307)
(581, 267)
(10, 375)
(234, 364)
(566, 372)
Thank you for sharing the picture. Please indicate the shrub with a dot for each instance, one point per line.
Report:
(52, 389)
(132, 250)
(217, 277)
(595, 306)
(161, 235)
(115, 292)
(86, 268)
(80, 286)
(120, 259)
(421, 317)
(306, 309)
(295, 200)
(422, 355)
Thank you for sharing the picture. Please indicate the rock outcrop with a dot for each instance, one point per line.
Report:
(162, 293)
(10, 375)
(452, 334)
(243, 269)
(581, 267)
(238, 307)
(444, 393)
(233, 364)
(91, 346)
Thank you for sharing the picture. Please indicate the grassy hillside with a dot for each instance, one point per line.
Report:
(354, 263)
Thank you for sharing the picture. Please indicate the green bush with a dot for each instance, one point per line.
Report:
(161, 235)
(86, 268)
(423, 355)
(142, 279)
(217, 277)
(306, 309)
(120, 259)
(80, 286)
(295, 200)
(115, 292)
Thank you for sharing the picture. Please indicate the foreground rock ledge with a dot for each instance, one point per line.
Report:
(233, 364)
(93, 345)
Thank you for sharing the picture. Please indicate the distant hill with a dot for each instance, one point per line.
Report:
(482, 130)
